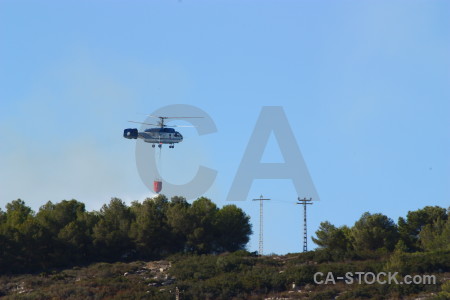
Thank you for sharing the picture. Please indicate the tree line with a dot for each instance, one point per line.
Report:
(65, 234)
(426, 229)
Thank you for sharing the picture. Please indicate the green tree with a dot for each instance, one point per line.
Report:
(436, 236)
(32, 241)
(110, 235)
(410, 227)
(21, 236)
(24, 239)
(76, 238)
(150, 230)
(337, 242)
(201, 236)
(69, 236)
(17, 213)
(178, 200)
(57, 216)
(2, 217)
(180, 222)
(233, 229)
(372, 232)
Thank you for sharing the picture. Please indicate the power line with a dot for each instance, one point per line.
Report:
(261, 227)
(304, 202)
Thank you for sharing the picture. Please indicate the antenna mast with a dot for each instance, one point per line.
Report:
(304, 202)
(261, 227)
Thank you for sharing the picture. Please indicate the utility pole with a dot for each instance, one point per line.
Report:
(304, 202)
(261, 227)
(177, 294)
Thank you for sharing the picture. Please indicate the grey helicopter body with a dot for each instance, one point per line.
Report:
(158, 135)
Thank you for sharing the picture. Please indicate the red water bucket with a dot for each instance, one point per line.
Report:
(157, 186)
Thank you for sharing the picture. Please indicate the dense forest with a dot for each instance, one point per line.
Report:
(65, 234)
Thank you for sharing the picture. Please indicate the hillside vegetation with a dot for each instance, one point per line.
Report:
(160, 248)
(238, 275)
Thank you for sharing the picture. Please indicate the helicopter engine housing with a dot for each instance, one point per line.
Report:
(130, 133)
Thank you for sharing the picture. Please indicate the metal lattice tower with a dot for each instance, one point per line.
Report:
(304, 202)
(261, 226)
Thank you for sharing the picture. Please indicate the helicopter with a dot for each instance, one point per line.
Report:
(159, 135)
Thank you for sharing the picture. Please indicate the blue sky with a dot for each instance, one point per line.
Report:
(365, 86)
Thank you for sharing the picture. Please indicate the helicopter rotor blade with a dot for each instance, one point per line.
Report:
(164, 125)
(144, 123)
(161, 117)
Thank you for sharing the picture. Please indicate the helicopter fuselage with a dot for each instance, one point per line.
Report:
(154, 135)
(157, 135)
(161, 136)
